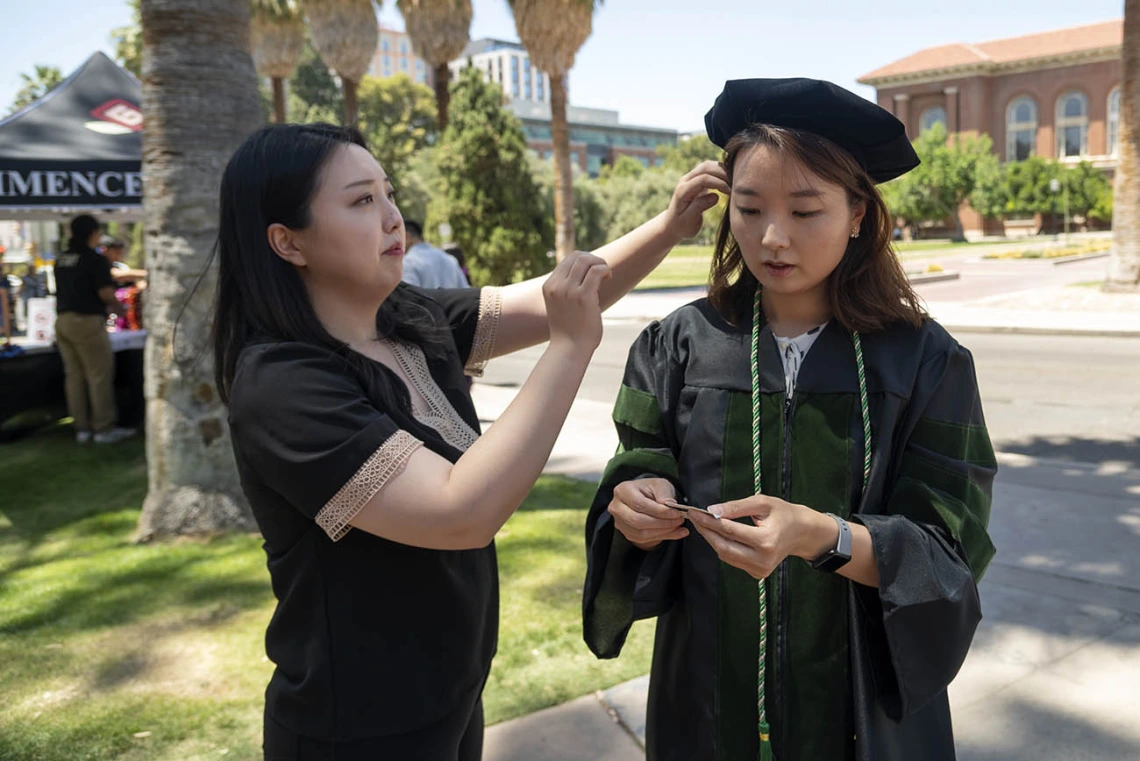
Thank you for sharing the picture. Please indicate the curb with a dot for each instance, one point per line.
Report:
(933, 277)
(1081, 258)
(1038, 331)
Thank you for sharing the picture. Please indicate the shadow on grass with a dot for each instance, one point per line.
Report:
(51, 482)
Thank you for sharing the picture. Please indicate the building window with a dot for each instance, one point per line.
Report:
(1114, 122)
(1020, 129)
(541, 87)
(574, 158)
(1072, 125)
(930, 117)
(419, 65)
(528, 93)
(384, 45)
(403, 47)
(515, 70)
(403, 64)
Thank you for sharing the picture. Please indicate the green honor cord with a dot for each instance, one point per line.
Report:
(762, 712)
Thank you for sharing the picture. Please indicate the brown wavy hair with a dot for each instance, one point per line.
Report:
(868, 290)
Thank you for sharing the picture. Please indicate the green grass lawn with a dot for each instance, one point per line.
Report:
(113, 650)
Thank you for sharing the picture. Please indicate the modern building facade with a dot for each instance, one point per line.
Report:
(506, 64)
(597, 136)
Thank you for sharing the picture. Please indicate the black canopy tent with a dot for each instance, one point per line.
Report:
(79, 148)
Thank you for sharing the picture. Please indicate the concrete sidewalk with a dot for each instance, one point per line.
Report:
(1054, 666)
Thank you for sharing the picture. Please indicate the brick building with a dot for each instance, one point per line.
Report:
(1054, 94)
(394, 56)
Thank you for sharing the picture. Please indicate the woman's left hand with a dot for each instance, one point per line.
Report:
(693, 197)
(781, 530)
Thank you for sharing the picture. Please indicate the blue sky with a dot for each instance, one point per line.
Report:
(658, 62)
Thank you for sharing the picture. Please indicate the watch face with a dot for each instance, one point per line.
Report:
(832, 562)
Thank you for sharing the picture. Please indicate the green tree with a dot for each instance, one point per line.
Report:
(946, 178)
(589, 214)
(625, 166)
(416, 186)
(128, 41)
(439, 30)
(35, 86)
(1090, 191)
(631, 201)
(313, 93)
(688, 152)
(346, 34)
(398, 116)
(489, 198)
(276, 37)
(553, 31)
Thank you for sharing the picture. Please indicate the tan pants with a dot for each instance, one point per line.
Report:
(88, 369)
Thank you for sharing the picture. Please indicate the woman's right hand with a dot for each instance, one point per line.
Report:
(573, 307)
(641, 518)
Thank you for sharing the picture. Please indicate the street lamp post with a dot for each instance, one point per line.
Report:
(1054, 188)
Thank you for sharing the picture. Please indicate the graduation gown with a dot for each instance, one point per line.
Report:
(852, 672)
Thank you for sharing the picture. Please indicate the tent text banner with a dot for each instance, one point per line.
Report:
(80, 185)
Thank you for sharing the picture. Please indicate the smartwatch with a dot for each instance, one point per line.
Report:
(832, 560)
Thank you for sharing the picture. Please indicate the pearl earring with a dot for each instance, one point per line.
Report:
(855, 233)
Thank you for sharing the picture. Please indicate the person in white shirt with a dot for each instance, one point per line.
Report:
(425, 266)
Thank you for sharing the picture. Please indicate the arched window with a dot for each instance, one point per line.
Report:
(1114, 122)
(1072, 125)
(1020, 129)
(930, 117)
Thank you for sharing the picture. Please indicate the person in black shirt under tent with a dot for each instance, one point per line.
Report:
(85, 295)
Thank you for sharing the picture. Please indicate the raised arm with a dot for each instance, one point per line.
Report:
(630, 258)
(434, 504)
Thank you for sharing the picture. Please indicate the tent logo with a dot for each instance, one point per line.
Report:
(116, 117)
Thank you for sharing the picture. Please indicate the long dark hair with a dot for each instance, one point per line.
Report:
(272, 179)
(868, 290)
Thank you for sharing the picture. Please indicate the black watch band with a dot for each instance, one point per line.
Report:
(832, 560)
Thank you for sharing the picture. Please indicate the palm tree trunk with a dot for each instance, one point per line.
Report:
(442, 75)
(351, 106)
(1124, 268)
(563, 176)
(199, 98)
(279, 100)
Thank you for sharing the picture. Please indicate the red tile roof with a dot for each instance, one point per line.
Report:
(1006, 51)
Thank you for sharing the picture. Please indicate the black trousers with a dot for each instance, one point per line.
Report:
(456, 737)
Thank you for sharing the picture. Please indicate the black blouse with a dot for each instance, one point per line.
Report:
(370, 637)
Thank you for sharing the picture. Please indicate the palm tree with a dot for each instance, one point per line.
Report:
(345, 33)
(552, 32)
(1124, 271)
(276, 37)
(439, 30)
(199, 100)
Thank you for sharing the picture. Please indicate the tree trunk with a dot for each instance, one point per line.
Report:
(279, 100)
(563, 176)
(959, 230)
(199, 99)
(1124, 266)
(441, 75)
(351, 106)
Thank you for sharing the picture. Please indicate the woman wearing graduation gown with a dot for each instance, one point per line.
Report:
(359, 448)
(822, 616)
